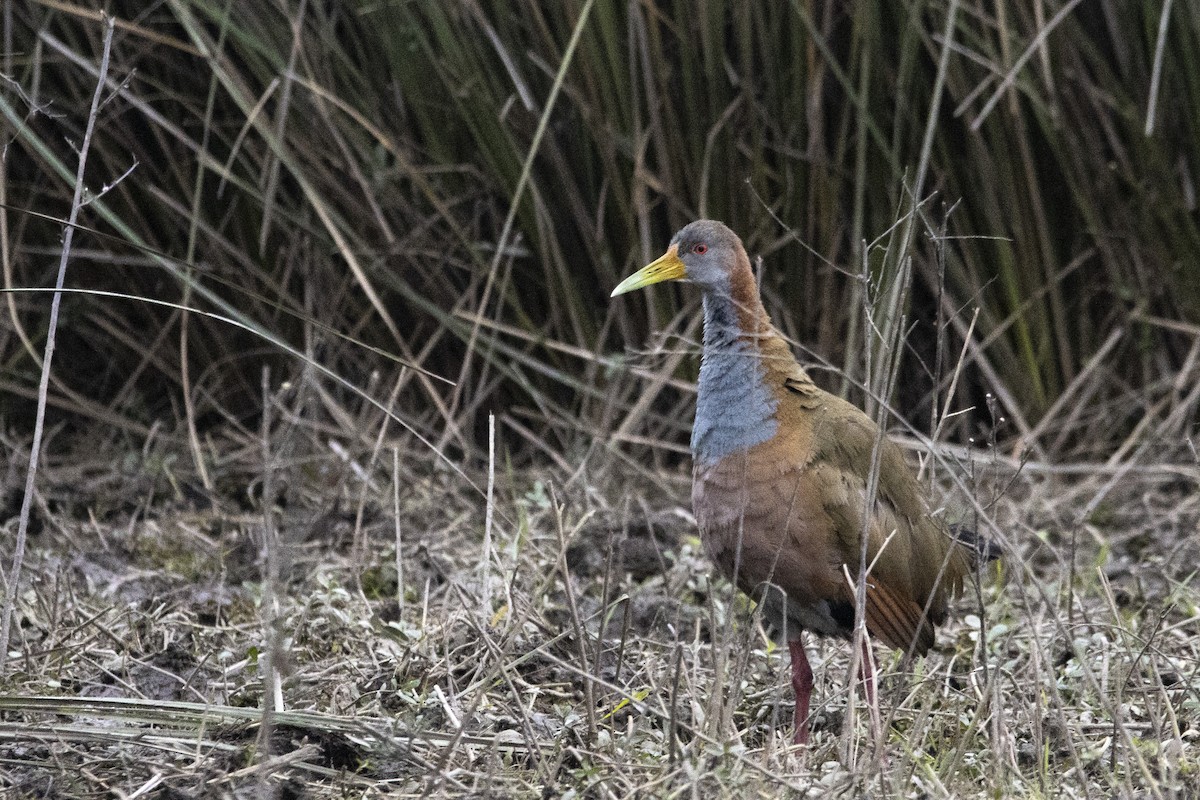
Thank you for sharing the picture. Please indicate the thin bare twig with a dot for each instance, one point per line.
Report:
(77, 202)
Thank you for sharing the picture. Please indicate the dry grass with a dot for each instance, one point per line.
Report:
(607, 662)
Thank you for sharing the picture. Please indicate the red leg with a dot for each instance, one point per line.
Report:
(867, 671)
(802, 683)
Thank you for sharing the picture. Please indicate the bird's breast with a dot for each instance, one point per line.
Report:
(735, 408)
(760, 522)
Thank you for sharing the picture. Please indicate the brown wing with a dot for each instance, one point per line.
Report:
(908, 549)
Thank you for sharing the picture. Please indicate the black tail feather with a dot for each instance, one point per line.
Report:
(984, 549)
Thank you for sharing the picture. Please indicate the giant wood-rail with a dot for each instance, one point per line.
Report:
(780, 471)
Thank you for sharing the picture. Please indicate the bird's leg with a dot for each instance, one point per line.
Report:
(802, 683)
(867, 671)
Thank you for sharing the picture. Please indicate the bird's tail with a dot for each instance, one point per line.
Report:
(981, 549)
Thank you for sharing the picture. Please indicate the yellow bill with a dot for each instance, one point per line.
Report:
(668, 267)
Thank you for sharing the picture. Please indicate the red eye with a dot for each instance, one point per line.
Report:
(700, 249)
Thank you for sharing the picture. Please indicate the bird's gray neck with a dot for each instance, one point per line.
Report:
(735, 409)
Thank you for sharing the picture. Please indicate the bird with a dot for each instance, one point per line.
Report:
(780, 481)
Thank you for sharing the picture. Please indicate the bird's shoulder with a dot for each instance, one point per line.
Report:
(841, 439)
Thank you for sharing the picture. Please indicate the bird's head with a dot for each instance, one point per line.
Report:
(704, 252)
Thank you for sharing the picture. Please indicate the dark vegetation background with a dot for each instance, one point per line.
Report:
(348, 168)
